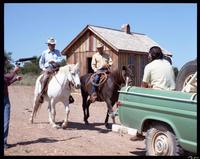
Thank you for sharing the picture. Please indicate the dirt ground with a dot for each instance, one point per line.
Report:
(78, 139)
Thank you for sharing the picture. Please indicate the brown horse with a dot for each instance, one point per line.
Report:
(107, 92)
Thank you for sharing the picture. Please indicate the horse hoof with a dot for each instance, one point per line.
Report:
(56, 126)
(86, 123)
(31, 121)
(108, 126)
(64, 126)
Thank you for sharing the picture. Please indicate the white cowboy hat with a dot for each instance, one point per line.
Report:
(51, 41)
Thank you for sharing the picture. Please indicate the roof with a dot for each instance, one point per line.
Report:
(120, 40)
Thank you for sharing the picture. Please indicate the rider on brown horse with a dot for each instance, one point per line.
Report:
(101, 62)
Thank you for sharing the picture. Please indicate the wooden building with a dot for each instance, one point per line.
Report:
(125, 48)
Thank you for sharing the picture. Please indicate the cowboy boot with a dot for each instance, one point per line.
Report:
(44, 82)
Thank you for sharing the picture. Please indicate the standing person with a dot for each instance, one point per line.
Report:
(101, 61)
(49, 62)
(159, 73)
(9, 78)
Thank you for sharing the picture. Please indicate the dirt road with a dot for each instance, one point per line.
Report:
(78, 139)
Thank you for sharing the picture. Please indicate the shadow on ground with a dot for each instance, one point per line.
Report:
(40, 140)
(83, 126)
(140, 152)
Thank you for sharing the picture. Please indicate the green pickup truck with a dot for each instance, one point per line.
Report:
(167, 119)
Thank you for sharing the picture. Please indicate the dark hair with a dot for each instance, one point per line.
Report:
(156, 53)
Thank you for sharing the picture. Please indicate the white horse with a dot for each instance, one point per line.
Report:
(59, 90)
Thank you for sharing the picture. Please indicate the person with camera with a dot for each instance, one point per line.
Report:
(9, 78)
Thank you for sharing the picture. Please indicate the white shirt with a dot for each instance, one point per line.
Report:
(99, 60)
(49, 55)
(160, 75)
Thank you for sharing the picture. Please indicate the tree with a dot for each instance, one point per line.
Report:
(31, 67)
(8, 65)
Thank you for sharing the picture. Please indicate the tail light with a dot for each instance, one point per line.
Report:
(118, 103)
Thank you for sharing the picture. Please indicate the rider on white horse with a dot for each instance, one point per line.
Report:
(49, 62)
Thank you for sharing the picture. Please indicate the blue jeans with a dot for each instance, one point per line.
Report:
(97, 78)
(6, 118)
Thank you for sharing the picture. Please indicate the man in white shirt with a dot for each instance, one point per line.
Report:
(101, 61)
(49, 61)
(159, 73)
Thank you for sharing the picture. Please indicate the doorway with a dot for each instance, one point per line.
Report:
(89, 68)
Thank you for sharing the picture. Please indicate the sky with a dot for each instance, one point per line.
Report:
(27, 26)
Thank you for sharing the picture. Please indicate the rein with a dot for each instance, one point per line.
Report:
(54, 75)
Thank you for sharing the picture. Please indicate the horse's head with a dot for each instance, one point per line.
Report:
(73, 75)
(127, 74)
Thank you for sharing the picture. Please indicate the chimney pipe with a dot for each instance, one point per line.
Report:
(126, 28)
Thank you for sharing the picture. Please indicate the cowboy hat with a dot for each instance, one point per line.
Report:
(51, 41)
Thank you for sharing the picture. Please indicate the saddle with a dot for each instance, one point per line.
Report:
(51, 74)
(47, 83)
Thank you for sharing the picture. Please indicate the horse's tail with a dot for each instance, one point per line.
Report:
(37, 104)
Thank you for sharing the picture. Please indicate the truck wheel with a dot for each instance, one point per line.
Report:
(185, 74)
(160, 141)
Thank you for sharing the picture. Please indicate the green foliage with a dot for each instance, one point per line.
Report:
(8, 66)
(31, 67)
(29, 70)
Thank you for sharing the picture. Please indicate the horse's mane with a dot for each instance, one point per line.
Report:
(67, 68)
(64, 69)
(117, 74)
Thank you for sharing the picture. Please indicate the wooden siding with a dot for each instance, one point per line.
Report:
(85, 47)
(137, 62)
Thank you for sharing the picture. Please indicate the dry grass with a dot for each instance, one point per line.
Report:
(28, 80)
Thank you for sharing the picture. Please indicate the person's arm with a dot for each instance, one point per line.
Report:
(42, 61)
(93, 63)
(58, 58)
(146, 78)
(11, 77)
(109, 63)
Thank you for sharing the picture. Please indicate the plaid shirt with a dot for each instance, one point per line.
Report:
(9, 78)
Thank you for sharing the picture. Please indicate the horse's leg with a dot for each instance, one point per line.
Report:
(110, 112)
(106, 120)
(64, 124)
(52, 113)
(87, 110)
(84, 105)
